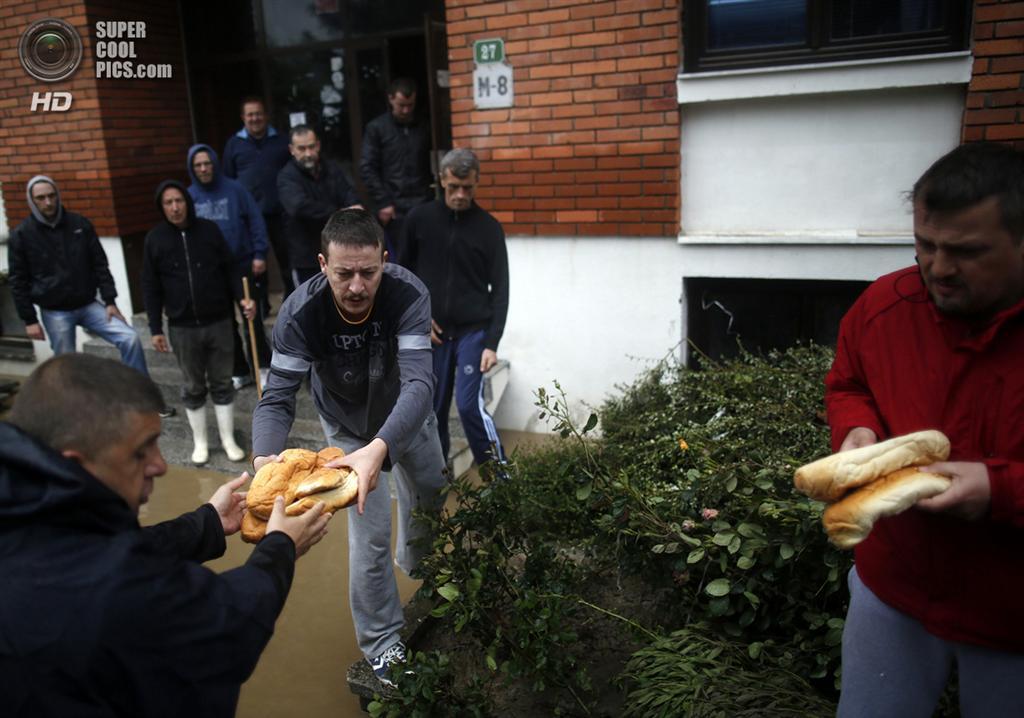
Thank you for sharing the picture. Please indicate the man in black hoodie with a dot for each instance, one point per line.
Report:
(458, 250)
(98, 616)
(57, 262)
(188, 272)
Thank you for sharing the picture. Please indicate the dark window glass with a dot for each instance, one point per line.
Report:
(374, 17)
(313, 84)
(219, 28)
(754, 23)
(868, 18)
(765, 314)
(290, 23)
(733, 34)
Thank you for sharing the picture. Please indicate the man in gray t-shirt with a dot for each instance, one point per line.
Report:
(361, 330)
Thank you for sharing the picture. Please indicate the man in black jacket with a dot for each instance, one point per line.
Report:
(188, 272)
(311, 189)
(98, 616)
(395, 162)
(57, 262)
(458, 250)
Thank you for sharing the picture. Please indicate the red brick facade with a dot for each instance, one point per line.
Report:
(995, 97)
(591, 145)
(120, 137)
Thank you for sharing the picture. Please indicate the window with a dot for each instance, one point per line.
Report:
(764, 314)
(733, 34)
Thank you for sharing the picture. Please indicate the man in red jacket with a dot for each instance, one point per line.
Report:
(940, 346)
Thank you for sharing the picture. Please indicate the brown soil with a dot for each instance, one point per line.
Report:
(604, 645)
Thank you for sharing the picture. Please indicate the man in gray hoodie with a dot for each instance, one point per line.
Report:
(57, 263)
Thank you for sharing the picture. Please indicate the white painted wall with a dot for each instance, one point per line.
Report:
(588, 312)
(812, 164)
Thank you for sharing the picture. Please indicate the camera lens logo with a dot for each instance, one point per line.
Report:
(50, 50)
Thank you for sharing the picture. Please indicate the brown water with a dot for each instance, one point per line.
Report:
(302, 671)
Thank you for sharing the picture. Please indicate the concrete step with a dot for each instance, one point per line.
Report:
(306, 433)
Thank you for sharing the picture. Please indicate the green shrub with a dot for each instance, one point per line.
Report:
(689, 486)
(693, 674)
(701, 494)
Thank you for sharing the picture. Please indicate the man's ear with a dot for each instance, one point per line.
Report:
(323, 263)
(74, 455)
(384, 257)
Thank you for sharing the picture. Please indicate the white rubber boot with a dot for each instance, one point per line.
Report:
(200, 445)
(226, 428)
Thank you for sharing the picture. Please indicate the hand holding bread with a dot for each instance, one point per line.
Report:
(873, 481)
(302, 479)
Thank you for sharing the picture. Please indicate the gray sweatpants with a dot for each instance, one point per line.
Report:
(372, 589)
(893, 667)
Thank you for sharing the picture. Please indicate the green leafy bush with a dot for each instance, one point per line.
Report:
(701, 490)
(689, 487)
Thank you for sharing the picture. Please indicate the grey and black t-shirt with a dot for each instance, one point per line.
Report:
(373, 379)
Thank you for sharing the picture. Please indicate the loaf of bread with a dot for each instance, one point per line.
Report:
(849, 521)
(302, 478)
(830, 478)
(253, 527)
(340, 497)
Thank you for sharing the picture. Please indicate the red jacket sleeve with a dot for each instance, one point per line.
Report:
(1007, 481)
(848, 399)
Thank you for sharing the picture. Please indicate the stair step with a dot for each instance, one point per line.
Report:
(176, 441)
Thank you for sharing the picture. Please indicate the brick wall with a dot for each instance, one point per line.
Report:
(591, 146)
(119, 137)
(995, 97)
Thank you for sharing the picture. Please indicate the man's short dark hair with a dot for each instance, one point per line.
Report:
(251, 99)
(972, 173)
(352, 227)
(299, 130)
(460, 162)
(402, 85)
(81, 402)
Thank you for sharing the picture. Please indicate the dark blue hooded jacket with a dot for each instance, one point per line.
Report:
(229, 204)
(99, 617)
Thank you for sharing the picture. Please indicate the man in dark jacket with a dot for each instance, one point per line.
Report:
(225, 201)
(395, 161)
(98, 616)
(253, 156)
(56, 261)
(187, 271)
(311, 189)
(458, 250)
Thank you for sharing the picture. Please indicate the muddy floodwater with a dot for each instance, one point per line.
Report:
(302, 671)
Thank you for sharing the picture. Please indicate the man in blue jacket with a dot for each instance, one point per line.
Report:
(226, 202)
(99, 616)
(253, 156)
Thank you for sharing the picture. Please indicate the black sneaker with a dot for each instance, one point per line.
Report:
(168, 412)
(381, 665)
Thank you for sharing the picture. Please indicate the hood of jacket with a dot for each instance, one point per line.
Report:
(216, 168)
(39, 485)
(32, 205)
(188, 201)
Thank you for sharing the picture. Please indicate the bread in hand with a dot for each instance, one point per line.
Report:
(275, 478)
(253, 527)
(849, 521)
(341, 496)
(830, 478)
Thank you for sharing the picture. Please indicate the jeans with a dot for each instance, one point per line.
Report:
(60, 328)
